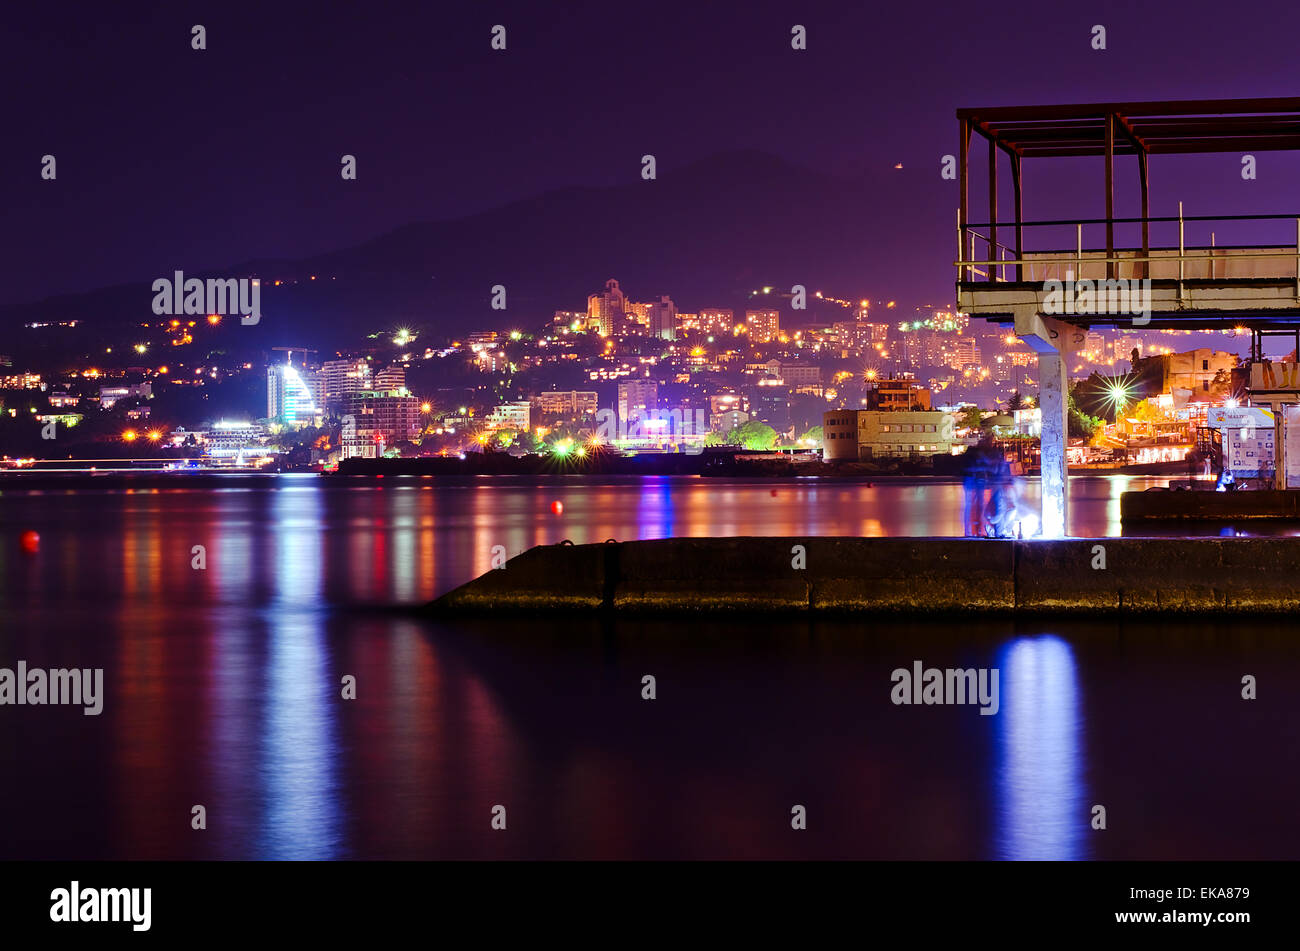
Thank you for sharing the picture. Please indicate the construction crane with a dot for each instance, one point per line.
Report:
(291, 351)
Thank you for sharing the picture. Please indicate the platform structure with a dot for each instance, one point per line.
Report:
(1056, 279)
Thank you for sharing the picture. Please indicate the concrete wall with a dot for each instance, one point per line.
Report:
(1208, 506)
(895, 576)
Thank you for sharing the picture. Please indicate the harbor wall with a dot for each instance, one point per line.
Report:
(951, 576)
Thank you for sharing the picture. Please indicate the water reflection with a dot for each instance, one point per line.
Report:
(1042, 809)
(299, 786)
(223, 688)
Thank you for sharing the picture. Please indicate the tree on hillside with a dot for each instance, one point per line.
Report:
(1081, 425)
(753, 435)
(971, 417)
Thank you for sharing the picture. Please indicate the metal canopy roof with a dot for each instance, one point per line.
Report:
(1154, 128)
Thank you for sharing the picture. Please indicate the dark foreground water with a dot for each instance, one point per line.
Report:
(223, 689)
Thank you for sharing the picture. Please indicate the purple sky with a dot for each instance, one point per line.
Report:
(232, 153)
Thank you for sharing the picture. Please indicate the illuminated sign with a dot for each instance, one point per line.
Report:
(1239, 417)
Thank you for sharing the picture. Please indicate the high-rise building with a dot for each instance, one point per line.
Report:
(965, 353)
(391, 379)
(341, 378)
(717, 322)
(638, 316)
(608, 310)
(290, 396)
(378, 419)
(634, 398)
(764, 325)
(661, 317)
(860, 335)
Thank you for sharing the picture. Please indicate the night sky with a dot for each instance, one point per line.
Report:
(232, 153)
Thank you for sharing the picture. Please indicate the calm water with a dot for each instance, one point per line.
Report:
(223, 689)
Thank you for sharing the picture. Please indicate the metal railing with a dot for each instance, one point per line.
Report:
(1000, 263)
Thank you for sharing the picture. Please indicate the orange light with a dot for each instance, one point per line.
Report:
(214, 319)
(154, 435)
(129, 435)
(176, 323)
(425, 408)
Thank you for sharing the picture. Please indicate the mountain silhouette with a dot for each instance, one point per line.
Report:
(707, 234)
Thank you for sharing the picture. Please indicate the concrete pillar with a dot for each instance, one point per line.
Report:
(1054, 341)
(1053, 398)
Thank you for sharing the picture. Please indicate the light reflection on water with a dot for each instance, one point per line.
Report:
(1042, 802)
(224, 688)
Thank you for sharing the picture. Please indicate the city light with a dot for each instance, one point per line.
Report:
(1119, 395)
(129, 435)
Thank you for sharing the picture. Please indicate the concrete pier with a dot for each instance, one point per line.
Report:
(1281, 505)
(893, 576)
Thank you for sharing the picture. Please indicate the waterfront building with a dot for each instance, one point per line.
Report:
(863, 435)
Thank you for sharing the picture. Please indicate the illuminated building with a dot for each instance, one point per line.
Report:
(341, 378)
(607, 311)
(1196, 371)
(798, 374)
(634, 398)
(513, 415)
(661, 318)
(717, 322)
(571, 403)
(391, 378)
(109, 395)
(21, 381)
(728, 420)
(235, 443)
(764, 325)
(288, 397)
(726, 402)
(898, 396)
(861, 435)
(860, 335)
(373, 418)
